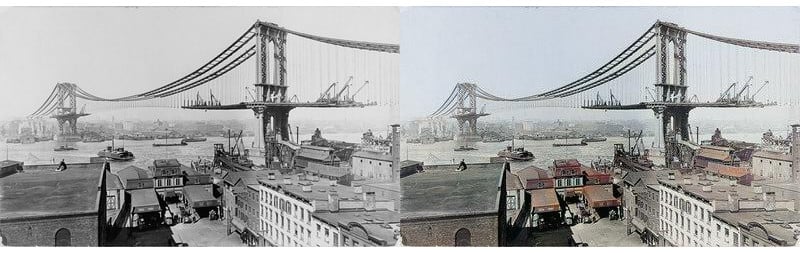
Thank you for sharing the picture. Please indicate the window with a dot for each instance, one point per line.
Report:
(511, 202)
(63, 237)
(463, 238)
(111, 202)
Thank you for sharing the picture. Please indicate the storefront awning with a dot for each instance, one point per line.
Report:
(544, 201)
(238, 224)
(144, 201)
(197, 196)
(598, 196)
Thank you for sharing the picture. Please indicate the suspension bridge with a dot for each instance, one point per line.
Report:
(724, 72)
(323, 73)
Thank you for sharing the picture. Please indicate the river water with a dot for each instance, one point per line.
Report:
(545, 153)
(145, 153)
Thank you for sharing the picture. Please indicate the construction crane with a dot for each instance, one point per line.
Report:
(353, 96)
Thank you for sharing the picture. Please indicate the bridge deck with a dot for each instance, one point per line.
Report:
(650, 105)
(250, 105)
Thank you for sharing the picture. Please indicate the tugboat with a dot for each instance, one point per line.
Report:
(116, 154)
(64, 148)
(516, 154)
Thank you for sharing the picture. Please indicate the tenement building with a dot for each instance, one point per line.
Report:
(443, 206)
(694, 210)
(640, 200)
(308, 211)
(43, 206)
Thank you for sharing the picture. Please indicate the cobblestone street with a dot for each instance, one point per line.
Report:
(607, 233)
(207, 233)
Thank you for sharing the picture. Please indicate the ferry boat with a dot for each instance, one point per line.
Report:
(516, 154)
(116, 154)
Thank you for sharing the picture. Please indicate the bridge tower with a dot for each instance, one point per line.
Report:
(467, 114)
(672, 108)
(67, 112)
(272, 106)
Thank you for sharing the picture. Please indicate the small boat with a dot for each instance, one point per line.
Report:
(568, 144)
(194, 139)
(464, 148)
(64, 148)
(594, 139)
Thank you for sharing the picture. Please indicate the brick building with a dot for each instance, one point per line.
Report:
(469, 210)
(45, 207)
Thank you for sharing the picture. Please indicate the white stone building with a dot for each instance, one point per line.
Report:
(297, 211)
(772, 165)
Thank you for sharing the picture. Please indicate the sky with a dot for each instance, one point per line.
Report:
(120, 51)
(516, 51)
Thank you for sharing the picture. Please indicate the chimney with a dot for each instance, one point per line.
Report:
(271, 176)
(332, 182)
(358, 189)
(769, 201)
(287, 181)
(758, 189)
(733, 202)
(687, 181)
(732, 182)
(369, 201)
(333, 202)
(671, 176)
(306, 188)
(706, 188)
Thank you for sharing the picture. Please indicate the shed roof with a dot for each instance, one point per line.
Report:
(599, 196)
(544, 200)
(327, 170)
(773, 155)
(144, 201)
(373, 155)
(715, 153)
(726, 170)
(512, 182)
(474, 190)
(40, 190)
(198, 196)
(532, 173)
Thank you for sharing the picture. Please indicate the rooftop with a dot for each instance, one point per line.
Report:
(773, 155)
(113, 182)
(566, 163)
(327, 170)
(318, 190)
(373, 155)
(251, 176)
(778, 224)
(158, 163)
(532, 173)
(474, 190)
(513, 182)
(717, 189)
(375, 223)
(715, 153)
(39, 190)
(317, 153)
(648, 177)
(407, 163)
(726, 170)
(8, 163)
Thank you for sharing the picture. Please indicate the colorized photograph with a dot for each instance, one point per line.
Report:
(600, 126)
(199, 126)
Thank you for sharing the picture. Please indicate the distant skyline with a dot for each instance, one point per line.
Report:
(517, 51)
(119, 51)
